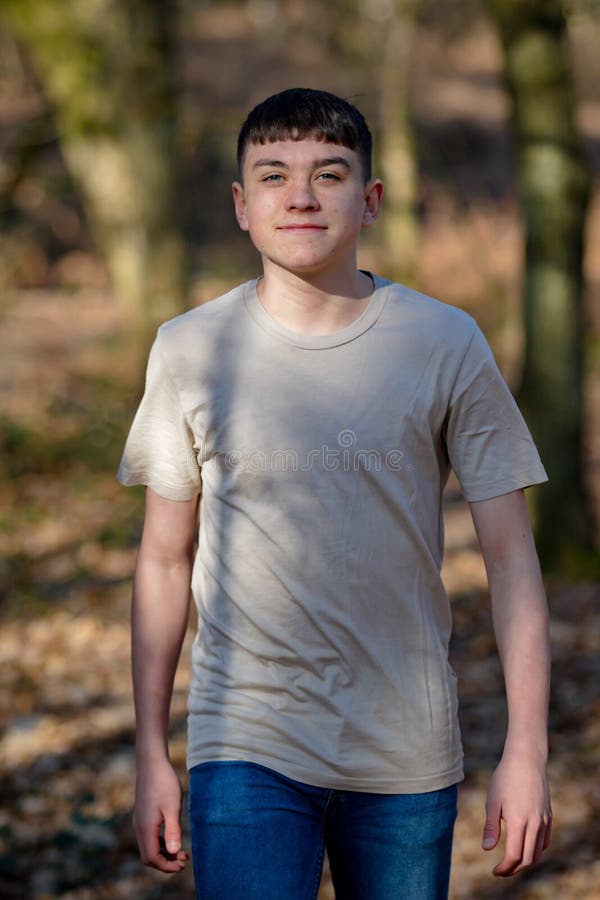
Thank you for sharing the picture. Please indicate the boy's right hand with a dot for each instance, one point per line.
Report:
(157, 810)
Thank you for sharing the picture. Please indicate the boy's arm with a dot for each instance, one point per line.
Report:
(518, 791)
(160, 610)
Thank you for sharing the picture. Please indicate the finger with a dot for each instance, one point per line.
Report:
(534, 836)
(548, 834)
(513, 851)
(169, 866)
(172, 831)
(491, 829)
(542, 841)
(166, 862)
(147, 836)
(152, 850)
(180, 854)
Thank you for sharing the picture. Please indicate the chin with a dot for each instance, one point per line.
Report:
(302, 266)
(307, 269)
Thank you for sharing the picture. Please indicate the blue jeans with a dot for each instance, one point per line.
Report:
(258, 835)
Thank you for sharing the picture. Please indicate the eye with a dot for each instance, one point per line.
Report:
(274, 176)
(328, 176)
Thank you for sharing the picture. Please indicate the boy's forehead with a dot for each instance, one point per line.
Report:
(310, 148)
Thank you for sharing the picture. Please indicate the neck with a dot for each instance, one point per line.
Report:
(314, 304)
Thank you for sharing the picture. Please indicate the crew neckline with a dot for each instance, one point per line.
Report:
(367, 318)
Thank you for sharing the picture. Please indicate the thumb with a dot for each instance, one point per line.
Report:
(491, 829)
(172, 831)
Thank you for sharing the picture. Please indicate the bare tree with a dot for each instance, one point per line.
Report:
(376, 36)
(106, 68)
(394, 22)
(555, 186)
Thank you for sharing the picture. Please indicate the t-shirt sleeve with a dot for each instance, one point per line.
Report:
(489, 445)
(159, 451)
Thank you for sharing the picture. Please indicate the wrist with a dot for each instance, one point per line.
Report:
(151, 750)
(526, 747)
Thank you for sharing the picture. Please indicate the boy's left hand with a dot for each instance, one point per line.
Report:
(519, 795)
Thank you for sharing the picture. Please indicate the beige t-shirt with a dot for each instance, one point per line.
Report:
(322, 648)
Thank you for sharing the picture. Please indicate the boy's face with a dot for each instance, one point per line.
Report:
(304, 204)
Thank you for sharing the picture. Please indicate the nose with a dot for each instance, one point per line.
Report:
(301, 196)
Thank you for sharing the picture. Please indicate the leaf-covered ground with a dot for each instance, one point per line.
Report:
(67, 537)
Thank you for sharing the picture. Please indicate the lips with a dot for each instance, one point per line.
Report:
(303, 227)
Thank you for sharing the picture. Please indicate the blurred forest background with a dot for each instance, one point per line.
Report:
(117, 149)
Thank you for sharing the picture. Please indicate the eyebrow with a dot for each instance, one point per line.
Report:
(317, 163)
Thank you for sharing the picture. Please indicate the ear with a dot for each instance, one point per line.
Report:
(373, 198)
(239, 204)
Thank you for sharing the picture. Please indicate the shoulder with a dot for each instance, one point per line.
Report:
(213, 315)
(429, 318)
(198, 342)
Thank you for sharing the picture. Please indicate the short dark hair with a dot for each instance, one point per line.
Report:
(298, 113)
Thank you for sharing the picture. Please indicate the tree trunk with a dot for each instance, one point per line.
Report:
(106, 69)
(397, 146)
(377, 35)
(555, 186)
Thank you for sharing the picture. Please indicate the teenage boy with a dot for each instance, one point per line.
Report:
(317, 411)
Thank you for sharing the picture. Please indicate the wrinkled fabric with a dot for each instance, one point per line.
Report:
(323, 623)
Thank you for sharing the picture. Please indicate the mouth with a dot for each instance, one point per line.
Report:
(303, 227)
